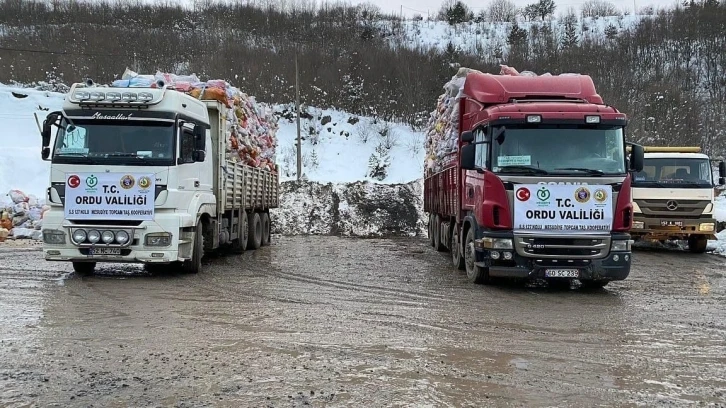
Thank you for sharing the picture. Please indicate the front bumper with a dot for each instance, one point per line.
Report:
(176, 248)
(604, 263)
(653, 227)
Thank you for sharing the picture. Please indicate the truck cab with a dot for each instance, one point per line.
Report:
(141, 175)
(539, 188)
(673, 196)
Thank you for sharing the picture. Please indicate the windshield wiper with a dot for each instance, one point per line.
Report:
(594, 172)
(74, 156)
(529, 169)
(134, 155)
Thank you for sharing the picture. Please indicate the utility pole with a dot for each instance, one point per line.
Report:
(297, 108)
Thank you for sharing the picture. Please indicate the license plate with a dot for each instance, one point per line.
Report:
(105, 251)
(671, 223)
(562, 273)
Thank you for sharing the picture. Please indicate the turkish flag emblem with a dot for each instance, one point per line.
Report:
(74, 181)
(523, 194)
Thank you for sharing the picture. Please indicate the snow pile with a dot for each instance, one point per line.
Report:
(339, 147)
(21, 216)
(360, 209)
(21, 166)
(251, 125)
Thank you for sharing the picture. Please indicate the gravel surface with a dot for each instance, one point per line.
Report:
(326, 321)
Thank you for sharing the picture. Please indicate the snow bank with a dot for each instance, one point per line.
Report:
(719, 213)
(20, 164)
(361, 209)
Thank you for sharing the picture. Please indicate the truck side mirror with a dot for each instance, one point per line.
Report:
(467, 137)
(45, 134)
(199, 155)
(468, 157)
(722, 173)
(637, 158)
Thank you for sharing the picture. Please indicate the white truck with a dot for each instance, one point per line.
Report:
(673, 196)
(142, 175)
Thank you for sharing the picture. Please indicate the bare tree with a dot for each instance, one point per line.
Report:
(503, 11)
(599, 8)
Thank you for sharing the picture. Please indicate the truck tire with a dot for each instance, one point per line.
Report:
(254, 238)
(456, 256)
(84, 268)
(265, 219)
(194, 265)
(437, 236)
(432, 232)
(474, 273)
(697, 244)
(239, 245)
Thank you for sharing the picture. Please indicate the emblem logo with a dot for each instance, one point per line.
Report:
(144, 182)
(74, 181)
(543, 194)
(582, 195)
(523, 194)
(600, 195)
(91, 181)
(672, 205)
(127, 181)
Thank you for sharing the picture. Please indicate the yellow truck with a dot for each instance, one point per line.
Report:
(673, 196)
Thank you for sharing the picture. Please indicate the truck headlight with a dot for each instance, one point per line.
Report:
(122, 237)
(706, 226)
(79, 236)
(54, 237)
(620, 245)
(495, 243)
(157, 239)
(107, 237)
(94, 236)
(638, 225)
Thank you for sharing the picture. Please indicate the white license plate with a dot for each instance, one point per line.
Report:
(105, 251)
(562, 273)
(671, 223)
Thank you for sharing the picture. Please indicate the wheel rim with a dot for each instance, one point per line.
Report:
(469, 258)
(455, 248)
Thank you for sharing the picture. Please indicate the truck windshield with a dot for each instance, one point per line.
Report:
(559, 149)
(675, 172)
(104, 142)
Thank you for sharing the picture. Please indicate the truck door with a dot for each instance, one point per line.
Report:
(188, 170)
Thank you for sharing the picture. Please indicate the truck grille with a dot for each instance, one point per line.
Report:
(562, 247)
(672, 208)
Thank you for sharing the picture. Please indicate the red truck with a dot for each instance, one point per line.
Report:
(537, 186)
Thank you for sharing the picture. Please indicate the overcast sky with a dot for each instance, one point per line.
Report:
(411, 7)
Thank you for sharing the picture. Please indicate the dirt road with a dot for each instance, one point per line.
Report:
(324, 321)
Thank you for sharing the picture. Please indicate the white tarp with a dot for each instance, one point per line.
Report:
(563, 208)
(109, 196)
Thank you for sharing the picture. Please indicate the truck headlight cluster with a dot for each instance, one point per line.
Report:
(94, 236)
(495, 243)
(706, 226)
(157, 239)
(621, 245)
(57, 237)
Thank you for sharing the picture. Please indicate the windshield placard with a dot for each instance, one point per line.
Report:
(514, 161)
(563, 208)
(109, 196)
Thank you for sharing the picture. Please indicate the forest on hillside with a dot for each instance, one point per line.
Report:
(667, 71)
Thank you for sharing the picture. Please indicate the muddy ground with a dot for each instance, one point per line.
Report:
(323, 321)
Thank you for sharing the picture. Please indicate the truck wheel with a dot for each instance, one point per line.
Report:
(84, 268)
(432, 232)
(437, 237)
(456, 255)
(194, 265)
(239, 245)
(254, 239)
(697, 244)
(475, 274)
(265, 219)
